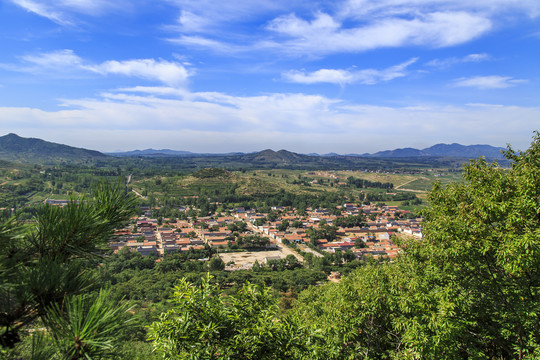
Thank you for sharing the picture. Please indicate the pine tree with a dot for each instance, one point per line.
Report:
(48, 276)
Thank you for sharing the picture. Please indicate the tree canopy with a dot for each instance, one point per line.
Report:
(48, 274)
(469, 289)
(206, 325)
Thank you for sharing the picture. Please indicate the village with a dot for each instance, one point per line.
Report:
(244, 237)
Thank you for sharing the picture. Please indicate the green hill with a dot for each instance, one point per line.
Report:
(31, 150)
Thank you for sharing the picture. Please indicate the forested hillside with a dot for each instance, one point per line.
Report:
(37, 151)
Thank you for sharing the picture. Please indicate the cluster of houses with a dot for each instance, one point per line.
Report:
(147, 237)
(374, 239)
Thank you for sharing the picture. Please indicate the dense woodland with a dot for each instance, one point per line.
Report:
(469, 289)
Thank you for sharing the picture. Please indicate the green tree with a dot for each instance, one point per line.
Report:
(237, 226)
(86, 326)
(349, 255)
(297, 224)
(49, 263)
(206, 325)
(470, 289)
(351, 221)
(260, 221)
(216, 264)
(324, 231)
(284, 225)
(351, 319)
(482, 255)
(359, 243)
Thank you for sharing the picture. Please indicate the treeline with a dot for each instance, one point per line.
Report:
(362, 183)
(224, 199)
(398, 196)
(134, 277)
(23, 185)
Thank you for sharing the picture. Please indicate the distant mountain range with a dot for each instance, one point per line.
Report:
(164, 152)
(151, 152)
(453, 150)
(439, 150)
(31, 150)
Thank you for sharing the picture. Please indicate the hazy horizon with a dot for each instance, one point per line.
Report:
(253, 151)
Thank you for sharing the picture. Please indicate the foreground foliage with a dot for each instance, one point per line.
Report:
(48, 274)
(206, 325)
(469, 289)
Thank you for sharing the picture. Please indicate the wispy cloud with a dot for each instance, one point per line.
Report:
(61, 11)
(65, 63)
(155, 90)
(190, 23)
(60, 60)
(332, 76)
(207, 43)
(445, 63)
(488, 82)
(342, 77)
(212, 16)
(341, 26)
(43, 9)
(325, 35)
(361, 8)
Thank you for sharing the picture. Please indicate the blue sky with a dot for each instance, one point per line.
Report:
(349, 76)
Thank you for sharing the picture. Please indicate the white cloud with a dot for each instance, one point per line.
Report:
(61, 11)
(199, 41)
(324, 35)
(214, 14)
(297, 28)
(43, 9)
(361, 8)
(91, 7)
(475, 57)
(219, 25)
(320, 76)
(155, 90)
(55, 60)
(60, 63)
(444, 63)
(190, 22)
(166, 72)
(291, 25)
(342, 77)
(65, 63)
(488, 82)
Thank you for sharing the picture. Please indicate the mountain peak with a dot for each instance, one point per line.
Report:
(266, 151)
(12, 135)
